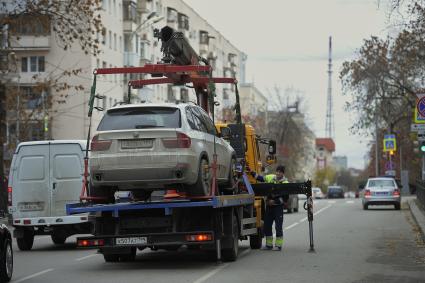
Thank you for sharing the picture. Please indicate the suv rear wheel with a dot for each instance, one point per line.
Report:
(202, 187)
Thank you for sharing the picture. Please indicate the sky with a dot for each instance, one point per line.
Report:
(287, 46)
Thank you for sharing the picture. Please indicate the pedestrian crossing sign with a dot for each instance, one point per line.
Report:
(389, 143)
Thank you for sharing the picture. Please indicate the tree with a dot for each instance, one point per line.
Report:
(324, 177)
(73, 22)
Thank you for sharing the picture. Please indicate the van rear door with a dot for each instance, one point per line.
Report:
(31, 181)
(66, 167)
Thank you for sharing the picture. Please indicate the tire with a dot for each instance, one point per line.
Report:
(26, 242)
(230, 179)
(6, 261)
(130, 256)
(111, 257)
(365, 206)
(296, 209)
(256, 241)
(202, 187)
(397, 206)
(231, 254)
(58, 239)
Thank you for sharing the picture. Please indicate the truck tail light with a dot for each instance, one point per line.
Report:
(181, 141)
(198, 237)
(85, 243)
(9, 196)
(100, 145)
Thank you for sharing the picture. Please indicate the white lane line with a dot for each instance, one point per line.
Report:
(350, 201)
(85, 257)
(291, 226)
(304, 219)
(34, 275)
(213, 272)
(322, 209)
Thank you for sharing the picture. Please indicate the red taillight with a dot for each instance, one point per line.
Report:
(9, 196)
(27, 221)
(199, 237)
(396, 192)
(181, 141)
(91, 243)
(100, 145)
(367, 193)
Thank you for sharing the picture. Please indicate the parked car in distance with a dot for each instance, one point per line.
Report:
(44, 177)
(6, 254)
(335, 192)
(292, 205)
(381, 191)
(146, 147)
(317, 193)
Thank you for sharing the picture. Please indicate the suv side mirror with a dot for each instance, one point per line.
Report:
(225, 132)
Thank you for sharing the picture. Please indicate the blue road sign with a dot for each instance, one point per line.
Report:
(421, 106)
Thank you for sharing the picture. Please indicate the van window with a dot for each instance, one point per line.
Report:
(67, 167)
(140, 118)
(31, 168)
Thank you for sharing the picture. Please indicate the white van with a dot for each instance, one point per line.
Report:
(44, 177)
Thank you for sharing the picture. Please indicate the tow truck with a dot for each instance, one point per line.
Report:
(215, 222)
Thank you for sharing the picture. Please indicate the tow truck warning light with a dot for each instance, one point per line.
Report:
(199, 238)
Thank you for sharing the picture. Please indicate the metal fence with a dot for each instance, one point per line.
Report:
(420, 192)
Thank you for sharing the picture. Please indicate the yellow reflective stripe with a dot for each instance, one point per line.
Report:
(269, 241)
(279, 241)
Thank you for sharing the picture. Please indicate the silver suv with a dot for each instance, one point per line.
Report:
(143, 147)
(381, 191)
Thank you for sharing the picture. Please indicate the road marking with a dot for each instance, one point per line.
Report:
(331, 201)
(304, 219)
(322, 209)
(34, 275)
(291, 226)
(211, 273)
(350, 201)
(86, 257)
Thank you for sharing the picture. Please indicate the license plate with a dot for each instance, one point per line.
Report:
(139, 143)
(381, 193)
(131, 241)
(30, 206)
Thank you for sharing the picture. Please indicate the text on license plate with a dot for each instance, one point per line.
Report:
(131, 241)
(139, 143)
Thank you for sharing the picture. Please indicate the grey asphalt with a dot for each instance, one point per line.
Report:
(352, 245)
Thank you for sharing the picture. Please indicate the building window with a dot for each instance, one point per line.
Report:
(24, 64)
(129, 11)
(110, 39)
(97, 63)
(170, 94)
(32, 64)
(183, 21)
(203, 37)
(115, 41)
(127, 43)
(171, 15)
(104, 65)
(104, 36)
(31, 25)
(115, 7)
(104, 103)
(120, 43)
(104, 4)
(184, 94)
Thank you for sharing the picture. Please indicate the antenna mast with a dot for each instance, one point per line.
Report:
(330, 126)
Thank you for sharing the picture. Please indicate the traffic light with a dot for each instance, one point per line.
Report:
(422, 147)
(391, 152)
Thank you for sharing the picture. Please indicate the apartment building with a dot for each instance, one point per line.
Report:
(254, 106)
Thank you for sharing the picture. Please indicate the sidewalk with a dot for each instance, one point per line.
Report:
(418, 215)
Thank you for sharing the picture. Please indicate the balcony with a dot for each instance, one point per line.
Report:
(144, 6)
(129, 26)
(30, 42)
(131, 59)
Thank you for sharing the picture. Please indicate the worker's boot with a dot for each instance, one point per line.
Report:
(279, 243)
(269, 242)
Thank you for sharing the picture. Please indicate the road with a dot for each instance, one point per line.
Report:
(352, 245)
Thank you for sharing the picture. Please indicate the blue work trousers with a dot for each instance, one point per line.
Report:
(274, 214)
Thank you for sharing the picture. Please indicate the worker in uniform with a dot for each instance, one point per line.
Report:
(274, 208)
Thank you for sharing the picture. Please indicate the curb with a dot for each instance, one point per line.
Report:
(418, 216)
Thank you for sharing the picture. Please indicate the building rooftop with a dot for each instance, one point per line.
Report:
(327, 143)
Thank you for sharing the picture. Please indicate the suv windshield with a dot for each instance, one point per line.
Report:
(381, 183)
(140, 118)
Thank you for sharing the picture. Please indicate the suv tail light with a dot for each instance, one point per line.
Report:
(181, 141)
(100, 145)
(396, 192)
(9, 196)
(367, 193)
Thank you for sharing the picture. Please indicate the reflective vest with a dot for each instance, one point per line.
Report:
(271, 178)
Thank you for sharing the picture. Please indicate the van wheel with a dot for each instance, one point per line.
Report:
(58, 239)
(25, 243)
(202, 187)
(6, 261)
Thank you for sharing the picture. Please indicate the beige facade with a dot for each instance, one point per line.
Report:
(253, 106)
